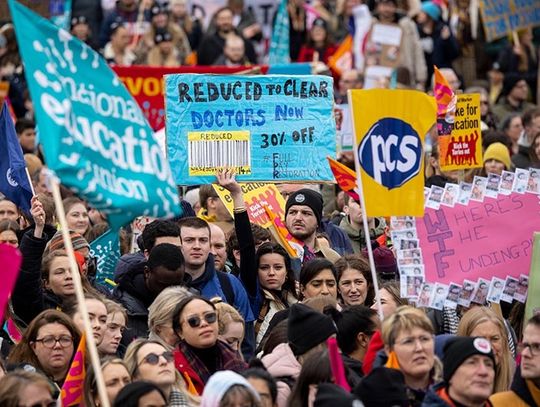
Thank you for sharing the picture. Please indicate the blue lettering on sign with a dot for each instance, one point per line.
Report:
(391, 152)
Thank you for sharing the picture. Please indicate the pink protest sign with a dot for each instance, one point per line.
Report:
(483, 239)
(10, 259)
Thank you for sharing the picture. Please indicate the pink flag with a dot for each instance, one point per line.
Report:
(336, 364)
(72, 390)
(10, 259)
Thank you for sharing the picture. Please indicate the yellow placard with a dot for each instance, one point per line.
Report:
(462, 149)
(255, 196)
(209, 151)
(390, 127)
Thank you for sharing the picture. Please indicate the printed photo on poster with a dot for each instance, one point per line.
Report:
(466, 294)
(521, 290)
(465, 190)
(481, 293)
(522, 180)
(492, 185)
(507, 182)
(479, 188)
(450, 195)
(495, 290)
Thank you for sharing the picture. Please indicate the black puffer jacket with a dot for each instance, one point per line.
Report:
(29, 297)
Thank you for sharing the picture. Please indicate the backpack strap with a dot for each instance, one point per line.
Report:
(226, 286)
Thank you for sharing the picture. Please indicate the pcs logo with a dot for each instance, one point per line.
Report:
(391, 152)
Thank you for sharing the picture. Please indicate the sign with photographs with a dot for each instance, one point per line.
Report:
(463, 249)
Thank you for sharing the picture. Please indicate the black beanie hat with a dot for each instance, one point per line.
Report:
(331, 395)
(383, 387)
(509, 82)
(459, 349)
(306, 197)
(306, 328)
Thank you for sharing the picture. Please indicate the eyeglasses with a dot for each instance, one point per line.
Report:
(195, 321)
(534, 348)
(50, 341)
(153, 358)
(424, 340)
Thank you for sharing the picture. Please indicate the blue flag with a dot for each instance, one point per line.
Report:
(106, 249)
(279, 44)
(94, 135)
(14, 183)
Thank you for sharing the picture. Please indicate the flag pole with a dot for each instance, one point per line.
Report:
(29, 180)
(91, 343)
(360, 193)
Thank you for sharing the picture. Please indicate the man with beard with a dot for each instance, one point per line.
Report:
(213, 44)
(303, 218)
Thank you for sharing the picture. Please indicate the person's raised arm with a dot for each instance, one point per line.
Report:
(27, 297)
(242, 226)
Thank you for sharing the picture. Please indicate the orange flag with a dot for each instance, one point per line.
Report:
(443, 93)
(345, 177)
(72, 390)
(342, 59)
(281, 233)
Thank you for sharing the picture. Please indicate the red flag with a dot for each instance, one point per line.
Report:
(345, 177)
(72, 390)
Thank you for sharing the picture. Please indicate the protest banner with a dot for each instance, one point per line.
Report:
(532, 305)
(146, 85)
(388, 143)
(344, 128)
(462, 148)
(268, 128)
(11, 260)
(381, 53)
(94, 136)
(476, 240)
(106, 250)
(501, 17)
(256, 197)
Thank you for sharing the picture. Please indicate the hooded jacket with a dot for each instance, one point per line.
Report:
(283, 367)
(522, 393)
(356, 237)
(132, 293)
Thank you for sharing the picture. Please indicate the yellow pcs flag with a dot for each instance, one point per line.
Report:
(390, 128)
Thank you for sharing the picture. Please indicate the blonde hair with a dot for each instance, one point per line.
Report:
(115, 308)
(161, 311)
(131, 363)
(90, 384)
(505, 369)
(227, 314)
(405, 318)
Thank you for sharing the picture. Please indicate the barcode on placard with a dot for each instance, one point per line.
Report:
(211, 150)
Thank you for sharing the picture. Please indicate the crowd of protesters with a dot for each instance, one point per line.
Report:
(208, 309)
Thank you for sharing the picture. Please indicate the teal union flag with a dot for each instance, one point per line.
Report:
(94, 136)
(279, 43)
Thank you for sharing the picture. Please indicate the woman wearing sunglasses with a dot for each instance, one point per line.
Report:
(199, 352)
(150, 361)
